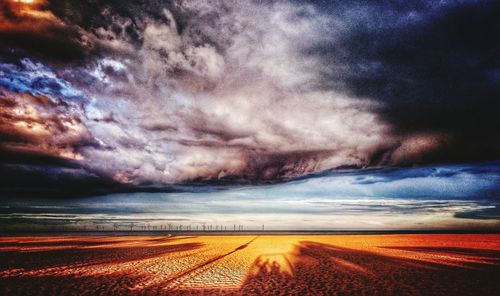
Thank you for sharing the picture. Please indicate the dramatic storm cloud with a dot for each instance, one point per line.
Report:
(113, 93)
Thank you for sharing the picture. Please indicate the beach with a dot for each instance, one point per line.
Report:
(372, 264)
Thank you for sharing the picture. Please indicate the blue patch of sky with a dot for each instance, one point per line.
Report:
(37, 79)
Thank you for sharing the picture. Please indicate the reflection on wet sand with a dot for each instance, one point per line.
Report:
(435, 264)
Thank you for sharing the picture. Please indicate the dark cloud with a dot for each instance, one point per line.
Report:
(39, 176)
(490, 213)
(431, 65)
(32, 28)
(48, 180)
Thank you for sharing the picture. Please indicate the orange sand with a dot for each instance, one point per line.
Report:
(411, 264)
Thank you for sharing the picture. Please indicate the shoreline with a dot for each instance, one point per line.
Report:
(240, 233)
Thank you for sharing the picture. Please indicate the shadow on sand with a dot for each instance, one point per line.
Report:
(88, 252)
(310, 269)
(320, 269)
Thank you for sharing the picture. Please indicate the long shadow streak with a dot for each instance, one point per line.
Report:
(194, 269)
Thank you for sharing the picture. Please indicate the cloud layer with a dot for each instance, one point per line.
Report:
(191, 91)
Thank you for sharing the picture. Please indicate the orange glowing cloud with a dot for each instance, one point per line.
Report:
(27, 9)
(34, 125)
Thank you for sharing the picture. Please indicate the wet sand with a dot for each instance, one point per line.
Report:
(392, 264)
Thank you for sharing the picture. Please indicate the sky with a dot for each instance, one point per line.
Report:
(439, 198)
(311, 114)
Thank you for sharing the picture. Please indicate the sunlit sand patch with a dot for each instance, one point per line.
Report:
(226, 269)
(349, 265)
